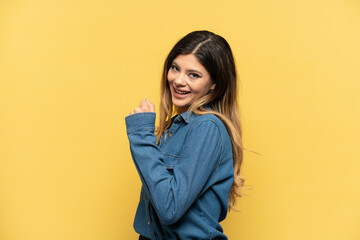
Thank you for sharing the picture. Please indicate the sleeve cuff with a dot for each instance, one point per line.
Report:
(144, 121)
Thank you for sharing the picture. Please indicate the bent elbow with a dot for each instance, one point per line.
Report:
(169, 217)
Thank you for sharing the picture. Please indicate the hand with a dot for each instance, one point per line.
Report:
(145, 106)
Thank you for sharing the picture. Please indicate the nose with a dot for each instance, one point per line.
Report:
(180, 80)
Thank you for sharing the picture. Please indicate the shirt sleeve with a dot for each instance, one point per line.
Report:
(172, 194)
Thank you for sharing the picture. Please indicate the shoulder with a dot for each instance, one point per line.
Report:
(211, 126)
(210, 120)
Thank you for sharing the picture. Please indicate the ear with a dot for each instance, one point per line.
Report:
(212, 86)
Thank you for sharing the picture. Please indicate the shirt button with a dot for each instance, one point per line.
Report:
(148, 222)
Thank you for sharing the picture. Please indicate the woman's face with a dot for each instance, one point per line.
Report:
(188, 80)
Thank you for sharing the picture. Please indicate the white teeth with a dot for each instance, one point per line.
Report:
(179, 91)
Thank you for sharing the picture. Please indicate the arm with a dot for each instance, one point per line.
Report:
(173, 194)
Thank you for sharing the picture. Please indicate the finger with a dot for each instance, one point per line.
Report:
(138, 110)
(132, 112)
(151, 106)
(144, 105)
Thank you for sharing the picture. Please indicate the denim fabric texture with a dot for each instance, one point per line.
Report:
(186, 177)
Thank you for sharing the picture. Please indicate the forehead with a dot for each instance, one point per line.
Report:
(189, 62)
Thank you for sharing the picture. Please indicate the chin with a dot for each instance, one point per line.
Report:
(178, 104)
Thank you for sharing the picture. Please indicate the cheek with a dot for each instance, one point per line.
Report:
(202, 89)
(169, 77)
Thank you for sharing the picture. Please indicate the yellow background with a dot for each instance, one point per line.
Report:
(70, 72)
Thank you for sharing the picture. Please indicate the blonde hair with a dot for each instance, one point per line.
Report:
(215, 55)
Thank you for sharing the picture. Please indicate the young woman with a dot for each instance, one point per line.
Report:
(190, 165)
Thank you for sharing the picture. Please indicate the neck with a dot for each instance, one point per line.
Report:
(181, 110)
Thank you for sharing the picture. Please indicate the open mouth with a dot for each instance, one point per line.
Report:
(180, 92)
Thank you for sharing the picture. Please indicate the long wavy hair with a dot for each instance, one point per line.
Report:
(215, 54)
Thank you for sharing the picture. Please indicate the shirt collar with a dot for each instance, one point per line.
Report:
(189, 117)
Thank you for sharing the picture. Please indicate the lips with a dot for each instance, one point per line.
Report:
(181, 92)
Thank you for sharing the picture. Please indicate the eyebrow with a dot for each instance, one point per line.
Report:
(189, 70)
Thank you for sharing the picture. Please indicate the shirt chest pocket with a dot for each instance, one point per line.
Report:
(170, 161)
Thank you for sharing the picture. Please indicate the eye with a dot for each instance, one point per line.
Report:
(173, 67)
(194, 75)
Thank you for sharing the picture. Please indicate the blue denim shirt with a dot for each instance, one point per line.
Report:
(186, 177)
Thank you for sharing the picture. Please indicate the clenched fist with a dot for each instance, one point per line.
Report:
(145, 106)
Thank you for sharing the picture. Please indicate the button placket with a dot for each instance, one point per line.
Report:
(151, 220)
(148, 214)
(175, 126)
